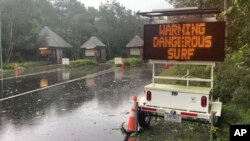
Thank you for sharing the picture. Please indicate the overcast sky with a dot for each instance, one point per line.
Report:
(135, 5)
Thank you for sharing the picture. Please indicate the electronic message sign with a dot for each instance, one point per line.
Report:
(189, 41)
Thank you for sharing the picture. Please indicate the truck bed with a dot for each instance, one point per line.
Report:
(186, 98)
(179, 88)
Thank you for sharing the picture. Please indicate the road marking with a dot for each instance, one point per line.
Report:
(77, 79)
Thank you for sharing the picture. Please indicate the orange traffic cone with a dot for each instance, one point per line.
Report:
(132, 120)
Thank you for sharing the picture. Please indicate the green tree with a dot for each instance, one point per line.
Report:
(116, 26)
(77, 25)
(22, 21)
(20, 25)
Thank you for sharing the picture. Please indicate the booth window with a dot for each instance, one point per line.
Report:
(43, 51)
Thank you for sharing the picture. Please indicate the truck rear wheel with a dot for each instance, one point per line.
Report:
(144, 119)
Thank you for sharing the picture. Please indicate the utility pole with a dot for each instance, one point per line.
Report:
(109, 48)
(1, 57)
(1, 50)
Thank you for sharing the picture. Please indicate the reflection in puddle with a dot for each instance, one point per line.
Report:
(60, 76)
(90, 109)
(90, 82)
(119, 74)
(44, 82)
(65, 75)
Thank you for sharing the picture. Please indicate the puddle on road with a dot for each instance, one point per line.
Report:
(23, 84)
(90, 109)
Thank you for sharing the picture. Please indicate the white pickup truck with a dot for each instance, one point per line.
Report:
(177, 102)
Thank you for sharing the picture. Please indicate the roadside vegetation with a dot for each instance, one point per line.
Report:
(22, 20)
(133, 61)
(169, 131)
(82, 62)
(27, 64)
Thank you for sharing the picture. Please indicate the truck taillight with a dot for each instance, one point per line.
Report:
(149, 96)
(203, 101)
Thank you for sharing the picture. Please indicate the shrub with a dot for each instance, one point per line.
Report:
(111, 62)
(132, 61)
(232, 81)
(28, 64)
(8, 66)
(82, 62)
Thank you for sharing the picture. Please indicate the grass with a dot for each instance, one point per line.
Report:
(28, 64)
(190, 131)
(32, 64)
(170, 131)
(82, 62)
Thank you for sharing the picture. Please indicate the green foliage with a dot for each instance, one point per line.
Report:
(232, 81)
(27, 64)
(232, 114)
(111, 62)
(195, 3)
(30, 64)
(82, 62)
(238, 24)
(188, 131)
(181, 70)
(20, 25)
(8, 66)
(132, 61)
(116, 34)
(22, 21)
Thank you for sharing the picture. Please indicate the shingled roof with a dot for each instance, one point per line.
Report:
(48, 38)
(93, 42)
(135, 42)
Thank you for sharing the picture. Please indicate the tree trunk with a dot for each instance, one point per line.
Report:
(108, 48)
(11, 26)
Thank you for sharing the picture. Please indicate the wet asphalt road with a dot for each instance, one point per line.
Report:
(90, 109)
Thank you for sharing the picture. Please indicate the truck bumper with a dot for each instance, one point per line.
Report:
(215, 110)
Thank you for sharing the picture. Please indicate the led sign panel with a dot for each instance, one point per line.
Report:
(189, 41)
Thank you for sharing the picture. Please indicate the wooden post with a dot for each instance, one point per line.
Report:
(212, 126)
(153, 74)
(136, 118)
